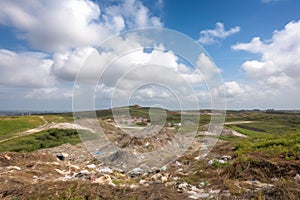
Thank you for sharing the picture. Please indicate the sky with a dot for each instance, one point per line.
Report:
(253, 45)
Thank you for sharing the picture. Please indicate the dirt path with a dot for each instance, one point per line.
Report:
(43, 118)
(235, 133)
(46, 127)
(238, 122)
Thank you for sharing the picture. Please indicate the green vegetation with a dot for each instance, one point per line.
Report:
(43, 139)
(285, 144)
(59, 118)
(16, 124)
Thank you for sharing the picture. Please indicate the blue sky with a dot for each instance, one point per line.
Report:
(255, 44)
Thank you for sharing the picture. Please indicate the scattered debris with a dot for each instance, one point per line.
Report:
(211, 162)
(105, 170)
(91, 166)
(297, 178)
(105, 179)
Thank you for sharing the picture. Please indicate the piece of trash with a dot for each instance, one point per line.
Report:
(91, 166)
(13, 167)
(135, 172)
(99, 153)
(105, 170)
(7, 157)
(226, 158)
(35, 177)
(60, 157)
(84, 171)
(163, 168)
(211, 162)
(178, 163)
(297, 178)
(106, 179)
(61, 172)
(65, 155)
(203, 184)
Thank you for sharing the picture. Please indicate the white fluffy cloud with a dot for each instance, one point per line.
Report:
(26, 69)
(63, 33)
(214, 35)
(60, 25)
(234, 89)
(279, 64)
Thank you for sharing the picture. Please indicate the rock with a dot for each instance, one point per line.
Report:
(297, 178)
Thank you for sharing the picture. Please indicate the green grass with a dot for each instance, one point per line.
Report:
(270, 144)
(12, 125)
(43, 139)
(56, 118)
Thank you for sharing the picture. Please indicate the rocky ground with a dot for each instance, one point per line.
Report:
(71, 172)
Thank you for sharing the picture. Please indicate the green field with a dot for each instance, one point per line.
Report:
(12, 125)
(44, 139)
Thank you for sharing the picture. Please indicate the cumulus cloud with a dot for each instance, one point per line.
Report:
(49, 93)
(207, 67)
(26, 69)
(279, 63)
(211, 36)
(60, 25)
(64, 34)
(234, 89)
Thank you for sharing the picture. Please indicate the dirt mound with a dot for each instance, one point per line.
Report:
(134, 141)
